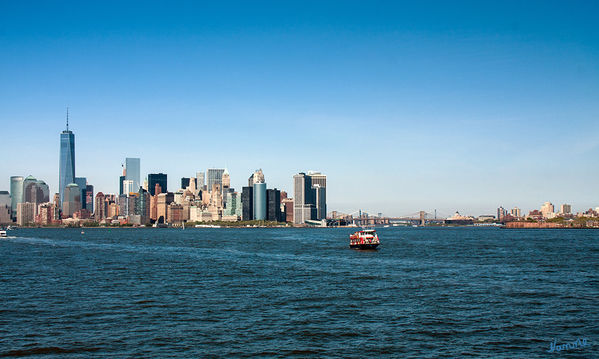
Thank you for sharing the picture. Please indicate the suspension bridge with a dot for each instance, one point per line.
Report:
(368, 218)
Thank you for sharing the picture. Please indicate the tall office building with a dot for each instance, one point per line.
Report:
(516, 212)
(260, 201)
(320, 200)
(89, 198)
(303, 206)
(247, 203)
(547, 210)
(71, 200)
(565, 209)
(132, 172)
(309, 197)
(121, 181)
(319, 186)
(128, 187)
(16, 193)
(142, 207)
(154, 179)
(273, 205)
(256, 177)
(233, 205)
(501, 212)
(29, 188)
(185, 182)
(82, 183)
(100, 207)
(215, 176)
(35, 191)
(5, 208)
(226, 181)
(66, 169)
(200, 180)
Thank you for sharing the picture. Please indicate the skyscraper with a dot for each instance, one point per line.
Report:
(200, 180)
(215, 175)
(501, 212)
(310, 197)
(516, 212)
(185, 182)
(35, 191)
(16, 193)
(303, 205)
(89, 198)
(256, 177)
(320, 199)
(121, 180)
(319, 186)
(247, 203)
(128, 187)
(142, 207)
(66, 167)
(226, 181)
(5, 208)
(273, 206)
(100, 207)
(82, 183)
(547, 210)
(260, 201)
(132, 168)
(157, 178)
(72, 200)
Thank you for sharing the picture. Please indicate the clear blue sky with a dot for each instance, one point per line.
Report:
(405, 106)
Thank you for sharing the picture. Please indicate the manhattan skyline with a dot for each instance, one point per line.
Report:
(404, 108)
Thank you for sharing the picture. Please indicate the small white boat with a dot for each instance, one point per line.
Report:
(2, 233)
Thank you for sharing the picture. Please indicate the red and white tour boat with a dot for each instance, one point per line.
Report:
(364, 239)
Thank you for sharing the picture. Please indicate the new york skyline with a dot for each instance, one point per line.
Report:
(404, 108)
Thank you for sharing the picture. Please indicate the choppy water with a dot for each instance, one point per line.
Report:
(462, 292)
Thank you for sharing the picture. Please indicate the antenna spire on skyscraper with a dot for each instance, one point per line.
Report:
(67, 118)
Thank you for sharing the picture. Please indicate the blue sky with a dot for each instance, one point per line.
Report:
(405, 106)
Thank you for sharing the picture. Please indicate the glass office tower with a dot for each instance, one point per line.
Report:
(82, 183)
(259, 201)
(157, 178)
(16, 193)
(215, 176)
(132, 167)
(66, 169)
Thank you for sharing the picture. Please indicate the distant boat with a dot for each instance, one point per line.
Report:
(364, 239)
(386, 226)
(207, 226)
(2, 233)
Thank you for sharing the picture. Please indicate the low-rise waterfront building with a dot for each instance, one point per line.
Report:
(45, 214)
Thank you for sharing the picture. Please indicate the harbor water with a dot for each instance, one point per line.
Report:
(285, 292)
